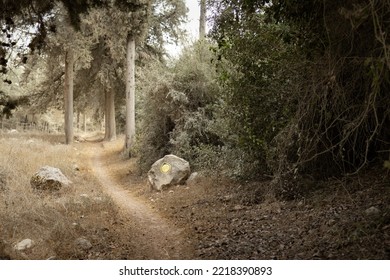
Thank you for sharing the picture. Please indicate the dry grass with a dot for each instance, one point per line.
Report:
(53, 221)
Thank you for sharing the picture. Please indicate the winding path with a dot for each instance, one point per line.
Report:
(152, 235)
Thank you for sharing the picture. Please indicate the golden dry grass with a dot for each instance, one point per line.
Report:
(53, 221)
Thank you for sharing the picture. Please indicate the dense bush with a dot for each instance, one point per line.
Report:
(290, 89)
(258, 70)
(185, 111)
(307, 81)
(176, 107)
(342, 117)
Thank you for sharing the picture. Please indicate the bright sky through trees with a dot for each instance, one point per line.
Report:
(192, 26)
(193, 18)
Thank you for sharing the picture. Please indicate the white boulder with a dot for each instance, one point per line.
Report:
(49, 178)
(168, 171)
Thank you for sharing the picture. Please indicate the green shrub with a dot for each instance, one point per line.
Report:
(176, 106)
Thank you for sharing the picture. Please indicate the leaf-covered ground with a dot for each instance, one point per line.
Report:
(210, 218)
(344, 218)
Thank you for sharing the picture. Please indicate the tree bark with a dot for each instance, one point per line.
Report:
(110, 123)
(69, 61)
(78, 120)
(202, 20)
(85, 121)
(130, 95)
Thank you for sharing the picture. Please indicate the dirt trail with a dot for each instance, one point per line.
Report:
(151, 235)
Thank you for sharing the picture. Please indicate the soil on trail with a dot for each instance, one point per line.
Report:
(150, 235)
(214, 218)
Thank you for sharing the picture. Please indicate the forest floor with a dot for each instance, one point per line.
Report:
(344, 218)
(111, 205)
(150, 235)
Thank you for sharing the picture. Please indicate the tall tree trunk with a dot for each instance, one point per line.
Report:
(110, 123)
(85, 121)
(69, 61)
(130, 95)
(78, 120)
(202, 20)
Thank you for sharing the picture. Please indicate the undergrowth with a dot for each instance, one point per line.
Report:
(52, 221)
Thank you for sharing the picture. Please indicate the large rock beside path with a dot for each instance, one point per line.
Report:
(49, 178)
(168, 171)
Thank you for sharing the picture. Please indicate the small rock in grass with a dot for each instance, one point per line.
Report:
(194, 178)
(372, 211)
(83, 243)
(76, 167)
(24, 244)
(238, 208)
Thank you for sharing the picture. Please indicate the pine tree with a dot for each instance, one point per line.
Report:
(103, 38)
(130, 94)
(66, 51)
(202, 20)
(68, 92)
